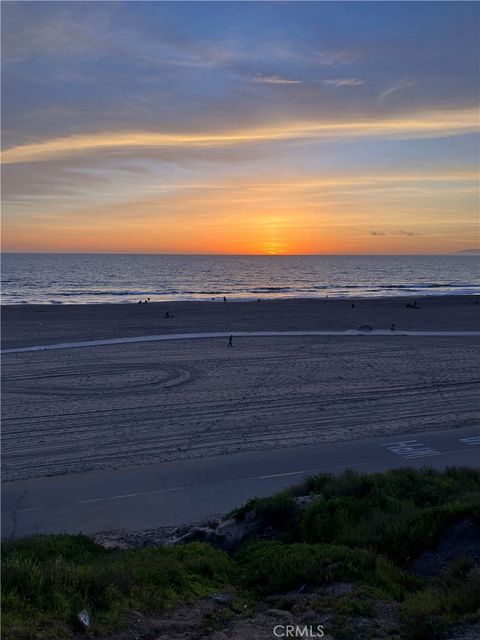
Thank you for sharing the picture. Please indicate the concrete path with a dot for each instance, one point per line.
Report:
(236, 334)
(187, 490)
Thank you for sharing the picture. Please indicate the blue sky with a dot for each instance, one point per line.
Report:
(351, 121)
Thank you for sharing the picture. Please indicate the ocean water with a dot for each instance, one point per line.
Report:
(87, 278)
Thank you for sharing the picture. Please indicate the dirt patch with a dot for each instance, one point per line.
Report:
(460, 540)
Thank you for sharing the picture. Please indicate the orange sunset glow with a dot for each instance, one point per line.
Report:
(221, 138)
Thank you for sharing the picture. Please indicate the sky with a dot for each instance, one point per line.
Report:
(240, 127)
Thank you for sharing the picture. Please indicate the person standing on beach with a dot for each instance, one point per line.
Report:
(230, 341)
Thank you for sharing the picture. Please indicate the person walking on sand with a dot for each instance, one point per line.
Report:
(230, 341)
(224, 299)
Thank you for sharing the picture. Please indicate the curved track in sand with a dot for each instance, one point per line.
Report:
(142, 401)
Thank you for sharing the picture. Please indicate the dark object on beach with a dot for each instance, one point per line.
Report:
(230, 341)
(167, 315)
(224, 299)
(392, 327)
(259, 300)
(365, 327)
(353, 306)
(139, 302)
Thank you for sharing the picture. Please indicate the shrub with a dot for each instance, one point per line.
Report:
(269, 567)
(452, 599)
(54, 588)
(397, 514)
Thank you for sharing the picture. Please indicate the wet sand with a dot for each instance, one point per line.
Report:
(120, 405)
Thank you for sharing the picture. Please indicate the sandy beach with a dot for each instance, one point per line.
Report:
(25, 325)
(74, 410)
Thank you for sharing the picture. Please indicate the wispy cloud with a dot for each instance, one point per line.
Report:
(58, 34)
(388, 180)
(422, 125)
(405, 234)
(68, 35)
(344, 82)
(403, 83)
(336, 57)
(274, 79)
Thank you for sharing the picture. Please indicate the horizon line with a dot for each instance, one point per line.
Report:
(473, 251)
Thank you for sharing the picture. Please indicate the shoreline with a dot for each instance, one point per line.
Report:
(253, 300)
(218, 299)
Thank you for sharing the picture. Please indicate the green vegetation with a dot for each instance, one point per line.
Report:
(454, 596)
(47, 580)
(279, 511)
(397, 514)
(354, 608)
(270, 567)
(359, 529)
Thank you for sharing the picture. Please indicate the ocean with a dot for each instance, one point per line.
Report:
(86, 278)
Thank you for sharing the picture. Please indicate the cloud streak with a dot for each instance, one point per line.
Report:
(400, 233)
(422, 125)
(403, 83)
(260, 78)
(344, 82)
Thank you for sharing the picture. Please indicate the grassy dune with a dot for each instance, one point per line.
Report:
(360, 529)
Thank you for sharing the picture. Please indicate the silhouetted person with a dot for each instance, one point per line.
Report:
(139, 302)
(230, 341)
(392, 327)
(353, 306)
(224, 299)
(167, 315)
